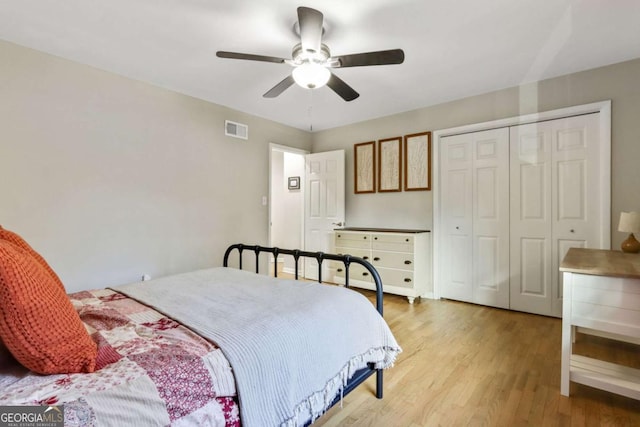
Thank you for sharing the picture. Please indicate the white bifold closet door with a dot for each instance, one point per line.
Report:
(475, 212)
(555, 205)
(513, 201)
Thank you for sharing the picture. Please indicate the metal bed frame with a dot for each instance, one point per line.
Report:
(360, 376)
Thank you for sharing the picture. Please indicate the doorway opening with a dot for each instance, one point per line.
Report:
(286, 207)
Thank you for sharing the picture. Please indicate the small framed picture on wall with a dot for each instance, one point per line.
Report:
(417, 162)
(364, 158)
(294, 183)
(389, 164)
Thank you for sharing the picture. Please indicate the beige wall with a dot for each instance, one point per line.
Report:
(110, 178)
(619, 82)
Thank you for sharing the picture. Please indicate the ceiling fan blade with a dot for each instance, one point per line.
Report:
(382, 57)
(250, 57)
(280, 87)
(310, 22)
(345, 91)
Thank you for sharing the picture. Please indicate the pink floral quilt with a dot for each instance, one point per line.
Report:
(151, 371)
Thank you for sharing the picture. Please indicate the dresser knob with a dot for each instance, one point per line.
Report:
(406, 240)
(365, 258)
(407, 262)
(365, 274)
(377, 258)
(339, 270)
(365, 237)
(407, 280)
(572, 230)
(375, 238)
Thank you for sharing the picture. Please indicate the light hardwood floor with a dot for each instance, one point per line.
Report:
(465, 364)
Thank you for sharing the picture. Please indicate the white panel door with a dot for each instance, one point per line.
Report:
(324, 206)
(456, 245)
(475, 212)
(491, 217)
(555, 172)
(530, 230)
(576, 199)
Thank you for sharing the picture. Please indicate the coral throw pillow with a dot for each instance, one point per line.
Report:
(38, 323)
(12, 237)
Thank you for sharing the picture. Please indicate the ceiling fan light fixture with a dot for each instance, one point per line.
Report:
(311, 75)
(312, 60)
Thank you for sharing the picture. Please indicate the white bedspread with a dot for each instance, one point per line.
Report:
(292, 345)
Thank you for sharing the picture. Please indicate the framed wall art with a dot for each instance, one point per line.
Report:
(389, 164)
(417, 162)
(294, 183)
(364, 158)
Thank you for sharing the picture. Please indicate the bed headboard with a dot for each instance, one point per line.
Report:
(318, 256)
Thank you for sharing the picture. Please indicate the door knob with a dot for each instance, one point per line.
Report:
(339, 224)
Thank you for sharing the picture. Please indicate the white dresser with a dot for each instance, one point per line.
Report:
(401, 257)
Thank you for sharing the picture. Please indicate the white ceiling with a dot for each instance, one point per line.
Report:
(453, 49)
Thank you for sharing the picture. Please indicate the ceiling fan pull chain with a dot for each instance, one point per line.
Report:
(310, 111)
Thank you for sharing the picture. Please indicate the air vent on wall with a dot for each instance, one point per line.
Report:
(236, 130)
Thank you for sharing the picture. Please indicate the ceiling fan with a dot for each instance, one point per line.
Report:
(312, 59)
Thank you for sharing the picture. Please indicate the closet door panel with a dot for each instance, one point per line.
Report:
(532, 192)
(576, 197)
(487, 260)
(458, 269)
(534, 293)
(530, 231)
(491, 217)
(534, 281)
(456, 204)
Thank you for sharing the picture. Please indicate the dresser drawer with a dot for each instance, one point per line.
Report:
(357, 252)
(356, 272)
(398, 260)
(393, 277)
(392, 242)
(351, 240)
